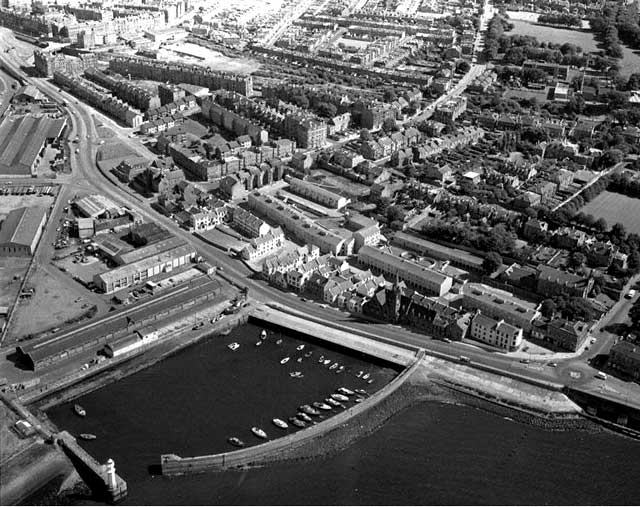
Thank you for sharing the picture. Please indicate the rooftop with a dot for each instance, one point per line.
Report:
(21, 226)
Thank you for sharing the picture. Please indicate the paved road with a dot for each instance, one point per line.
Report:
(86, 170)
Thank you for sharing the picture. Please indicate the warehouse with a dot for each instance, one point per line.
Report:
(22, 141)
(140, 271)
(21, 231)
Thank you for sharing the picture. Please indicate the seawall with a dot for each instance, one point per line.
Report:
(334, 433)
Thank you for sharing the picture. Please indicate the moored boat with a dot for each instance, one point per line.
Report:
(280, 423)
(296, 374)
(341, 369)
(263, 334)
(359, 374)
(326, 362)
(304, 417)
(234, 346)
(321, 406)
(358, 400)
(332, 402)
(299, 359)
(258, 432)
(297, 422)
(308, 409)
(87, 436)
(258, 343)
(365, 376)
(236, 441)
(321, 359)
(345, 391)
(79, 410)
(308, 354)
(333, 366)
(370, 381)
(300, 347)
(362, 392)
(339, 397)
(279, 341)
(284, 360)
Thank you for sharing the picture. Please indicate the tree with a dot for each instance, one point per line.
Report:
(463, 67)
(491, 262)
(634, 315)
(395, 213)
(389, 95)
(577, 259)
(548, 308)
(618, 231)
(327, 110)
(389, 124)
(365, 135)
(611, 157)
(578, 308)
(601, 225)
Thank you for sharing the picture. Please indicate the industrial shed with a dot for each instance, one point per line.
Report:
(21, 231)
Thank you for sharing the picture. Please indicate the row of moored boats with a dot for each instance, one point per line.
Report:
(306, 413)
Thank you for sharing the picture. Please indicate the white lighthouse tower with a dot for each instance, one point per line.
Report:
(111, 474)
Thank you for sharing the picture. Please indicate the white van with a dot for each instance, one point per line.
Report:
(601, 375)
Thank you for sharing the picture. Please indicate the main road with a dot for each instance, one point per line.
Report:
(89, 175)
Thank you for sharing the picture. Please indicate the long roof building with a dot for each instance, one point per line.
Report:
(21, 141)
(21, 231)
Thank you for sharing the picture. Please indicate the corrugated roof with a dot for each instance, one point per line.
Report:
(21, 226)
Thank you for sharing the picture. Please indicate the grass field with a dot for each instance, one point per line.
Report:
(616, 208)
(585, 40)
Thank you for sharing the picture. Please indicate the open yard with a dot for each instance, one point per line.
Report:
(56, 300)
(616, 208)
(11, 202)
(543, 33)
(12, 270)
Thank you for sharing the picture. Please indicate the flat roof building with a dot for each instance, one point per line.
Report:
(21, 231)
(457, 257)
(499, 304)
(425, 280)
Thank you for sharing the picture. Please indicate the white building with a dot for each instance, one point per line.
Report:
(249, 224)
(264, 245)
(496, 332)
(318, 194)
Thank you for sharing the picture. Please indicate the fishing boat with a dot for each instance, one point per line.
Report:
(359, 374)
(300, 347)
(321, 406)
(279, 341)
(304, 417)
(365, 376)
(326, 362)
(258, 343)
(263, 334)
(87, 436)
(79, 410)
(284, 360)
(297, 422)
(308, 354)
(258, 432)
(339, 397)
(236, 441)
(234, 346)
(332, 402)
(321, 359)
(308, 409)
(280, 423)
(345, 391)
(333, 366)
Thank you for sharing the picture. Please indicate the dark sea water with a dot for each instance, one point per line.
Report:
(430, 454)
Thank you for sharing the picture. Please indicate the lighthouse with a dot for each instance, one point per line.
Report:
(111, 474)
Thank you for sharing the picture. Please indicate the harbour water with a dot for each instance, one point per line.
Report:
(432, 453)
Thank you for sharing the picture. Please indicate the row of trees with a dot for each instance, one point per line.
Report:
(560, 18)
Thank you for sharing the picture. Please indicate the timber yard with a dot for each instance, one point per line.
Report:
(353, 205)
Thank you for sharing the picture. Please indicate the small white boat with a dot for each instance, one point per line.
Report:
(345, 391)
(278, 342)
(258, 432)
(321, 406)
(299, 359)
(370, 381)
(332, 402)
(236, 441)
(362, 392)
(284, 360)
(359, 374)
(296, 374)
(234, 346)
(365, 376)
(297, 422)
(300, 347)
(333, 366)
(326, 362)
(339, 397)
(340, 370)
(263, 334)
(258, 343)
(79, 410)
(280, 423)
(308, 354)
(304, 417)
(321, 359)
(358, 400)
(91, 436)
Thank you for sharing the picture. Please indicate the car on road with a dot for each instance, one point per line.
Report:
(601, 375)
(552, 364)
(464, 359)
(524, 361)
(630, 294)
